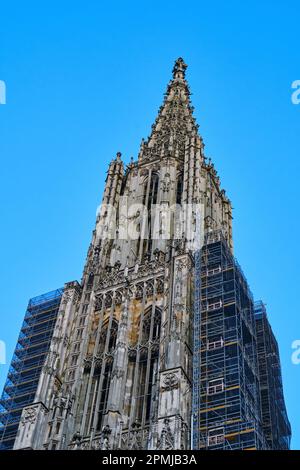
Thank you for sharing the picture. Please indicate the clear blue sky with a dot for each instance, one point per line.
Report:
(85, 79)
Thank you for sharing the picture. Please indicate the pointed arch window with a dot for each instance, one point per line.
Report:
(148, 366)
(152, 199)
(106, 378)
(104, 392)
(147, 334)
(112, 337)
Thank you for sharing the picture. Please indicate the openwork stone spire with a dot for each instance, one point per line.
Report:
(175, 121)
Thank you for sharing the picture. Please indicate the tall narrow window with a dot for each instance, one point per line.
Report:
(90, 281)
(148, 365)
(143, 235)
(179, 188)
(113, 336)
(153, 190)
(104, 393)
(152, 200)
(113, 331)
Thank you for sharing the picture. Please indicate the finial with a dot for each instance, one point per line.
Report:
(179, 68)
(119, 156)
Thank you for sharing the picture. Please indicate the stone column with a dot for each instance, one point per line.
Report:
(175, 379)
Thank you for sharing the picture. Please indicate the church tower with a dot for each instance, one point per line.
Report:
(119, 370)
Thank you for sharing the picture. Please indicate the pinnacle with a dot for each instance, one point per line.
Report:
(179, 68)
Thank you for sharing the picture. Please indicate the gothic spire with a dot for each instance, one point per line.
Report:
(175, 121)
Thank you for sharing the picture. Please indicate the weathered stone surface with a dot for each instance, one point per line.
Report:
(118, 373)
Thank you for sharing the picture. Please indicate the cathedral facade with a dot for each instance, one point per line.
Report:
(119, 372)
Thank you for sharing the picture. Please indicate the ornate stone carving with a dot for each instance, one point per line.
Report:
(179, 246)
(118, 373)
(166, 183)
(135, 365)
(76, 441)
(159, 286)
(29, 415)
(139, 291)
(118, 297)
(66, 298)
(135, 438)
(170, 382)
(166, 439)
(105, 438)
(149, 289)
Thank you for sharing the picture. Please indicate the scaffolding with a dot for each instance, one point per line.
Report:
(27, 362)
(196, 351)
(226, 408)
(275, 421)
